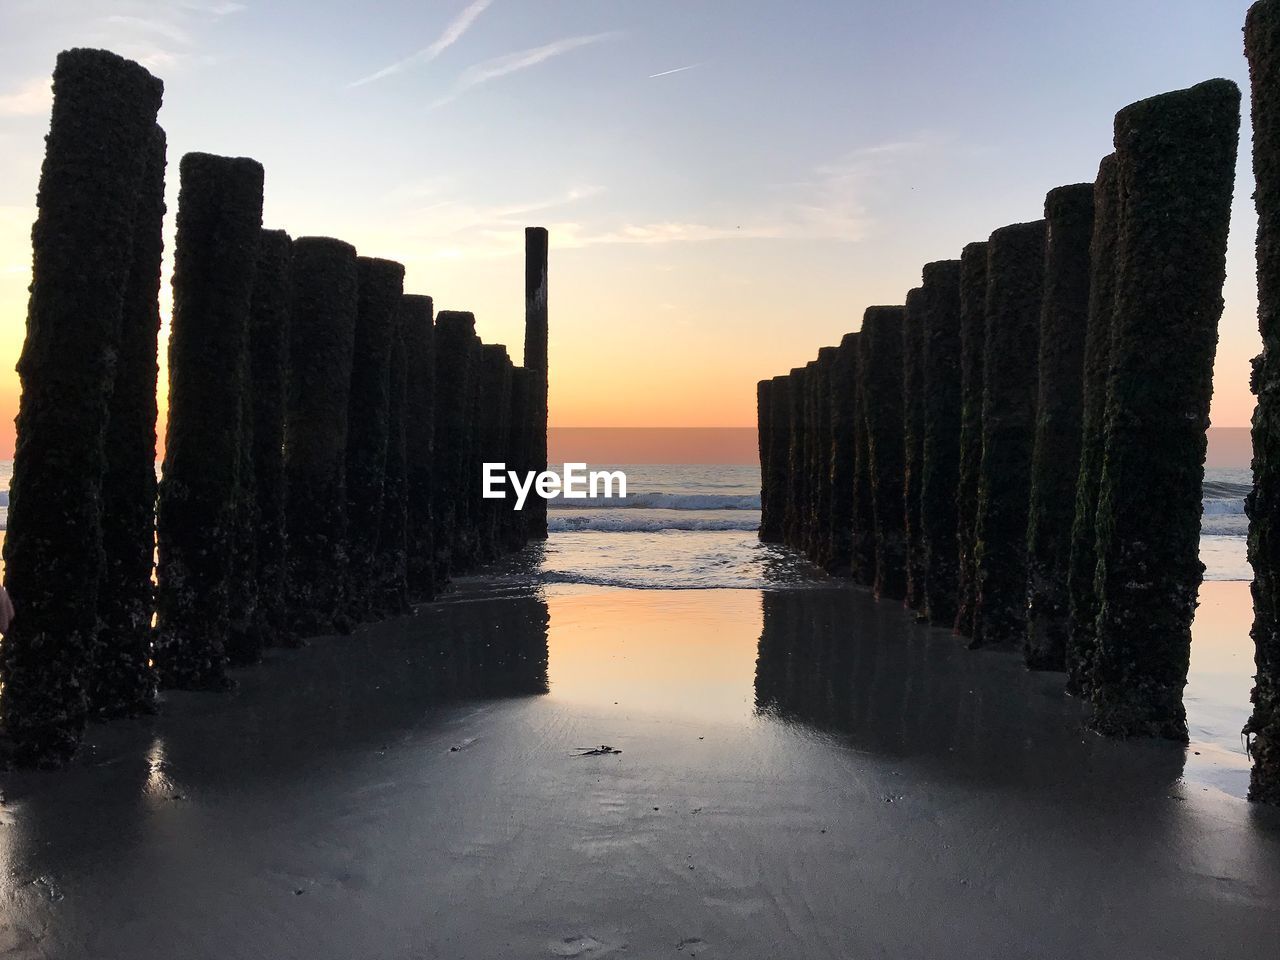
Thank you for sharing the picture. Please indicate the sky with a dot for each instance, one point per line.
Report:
(728, 183)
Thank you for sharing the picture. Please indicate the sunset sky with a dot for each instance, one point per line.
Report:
(727, 184)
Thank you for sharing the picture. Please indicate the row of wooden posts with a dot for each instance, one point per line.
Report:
(1017, 451)
(324, 435)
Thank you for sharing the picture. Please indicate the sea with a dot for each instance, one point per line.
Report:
(693, 527)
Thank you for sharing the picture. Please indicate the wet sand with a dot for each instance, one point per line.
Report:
(803, 774)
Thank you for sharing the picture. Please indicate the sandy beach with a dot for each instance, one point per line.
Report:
(803, 773)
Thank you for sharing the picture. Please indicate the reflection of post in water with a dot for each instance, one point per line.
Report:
(900, 689)
(497, 648)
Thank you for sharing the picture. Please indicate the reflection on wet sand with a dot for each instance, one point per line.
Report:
(832, 780)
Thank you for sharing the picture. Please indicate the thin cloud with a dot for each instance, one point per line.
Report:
(667, 73)
(511, 63)
(452, 34)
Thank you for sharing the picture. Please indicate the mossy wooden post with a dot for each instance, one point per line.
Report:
(764, 410)
(844, 389)
(797, 486)
(820, 459)
(1082, 598)
(96, 153)
(466, 547)
(536, 362)
(510, 524)
(973, 327)
(1262, 44)
(391, 567)
(1176, 155)
(121, 681)
(215, 258)
(269, 375)
(418, 324)
(380, 285)
(881, 344)
(862, 556)
(491, 432)
(454, 334)
(520, 438)
(1015, 287)
(913, 443)
(940, 456)
(1055, 462)
(321, 343)
(779, 453)
(805, 532)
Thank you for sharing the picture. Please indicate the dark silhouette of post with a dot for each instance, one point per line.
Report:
(381, 285)
(492, 430)
(973, 326)
(809, 436)
(913, 443)
(418, 322)
(1015, 287)
(269, 370)
(881, 343)
(1082, 594)
(536, 362)
(940, 456)
(819, 535)
(215, 258)
(1176, 155)
(391, 566)
(779, 452)
(321, 344)
(844, 411)
(521, 425)
(797, 475)
(96, 154)
(454, 373)
(121, 682)
(862, 555)
(1055, 462)
(1262, 44)
(764, 410)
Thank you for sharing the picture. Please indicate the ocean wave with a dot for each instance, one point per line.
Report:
(642, 524)
(663, 501)
(1226, 490)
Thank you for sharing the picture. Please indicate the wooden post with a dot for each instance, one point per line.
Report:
(121, 681)
(104, 114)
(973, 327)
(940, 457)
(215, 259)
(882, 364)
(1262, 44)
(913, 443)
(269, 369)
(536, 362)
(1055, 462)
(1083, 560)
(844, 410)
(321, 343)
(1176, 155)
(381, 285)
(1015, 287)
(418, 322)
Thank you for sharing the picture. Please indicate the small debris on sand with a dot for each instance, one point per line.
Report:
(601, 751)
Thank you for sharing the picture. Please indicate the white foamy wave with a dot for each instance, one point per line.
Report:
(663, 501)
(649, 524)
(1224, 508)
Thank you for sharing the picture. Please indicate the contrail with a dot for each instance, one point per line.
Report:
(452, 34)
(482, 73)
(667, 73)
